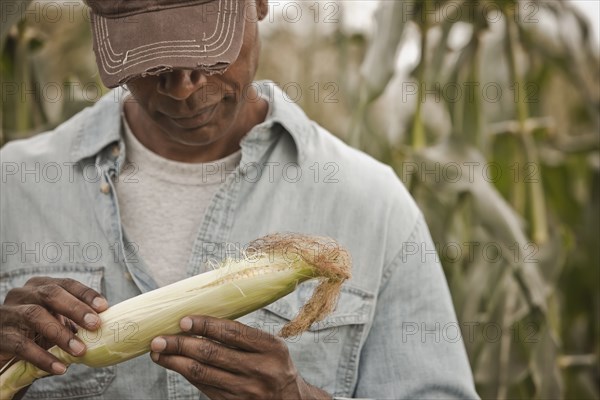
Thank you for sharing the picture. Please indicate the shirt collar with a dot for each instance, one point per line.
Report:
(283, 112)
(101, 125)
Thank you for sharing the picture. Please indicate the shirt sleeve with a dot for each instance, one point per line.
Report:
(414, 349)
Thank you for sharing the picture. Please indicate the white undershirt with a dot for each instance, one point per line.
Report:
(162, 203)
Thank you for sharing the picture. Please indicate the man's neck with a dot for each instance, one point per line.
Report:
(151, 136)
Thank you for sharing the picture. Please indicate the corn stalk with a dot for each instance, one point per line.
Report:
(537, 204)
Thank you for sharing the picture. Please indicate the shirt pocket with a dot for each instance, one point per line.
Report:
(327, 354)
(80, 381)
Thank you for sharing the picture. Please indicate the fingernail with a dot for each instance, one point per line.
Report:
(76, 346)
(99, 303)
(158, 344)
(91, 320)
(154, 356)
(58, 368)
(186, 324)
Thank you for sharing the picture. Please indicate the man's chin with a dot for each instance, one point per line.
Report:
(202, 118)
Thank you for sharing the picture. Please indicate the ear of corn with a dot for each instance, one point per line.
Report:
(272, 268)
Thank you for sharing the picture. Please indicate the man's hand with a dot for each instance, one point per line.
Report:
(232, 361)
(39, 315)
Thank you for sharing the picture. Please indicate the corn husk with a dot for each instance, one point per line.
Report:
(271, 268)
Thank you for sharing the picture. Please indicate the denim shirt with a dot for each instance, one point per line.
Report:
(393, 333)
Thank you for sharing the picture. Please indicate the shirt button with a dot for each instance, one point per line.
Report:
(105, 188)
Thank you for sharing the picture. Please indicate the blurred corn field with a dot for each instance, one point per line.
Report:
(493, 125)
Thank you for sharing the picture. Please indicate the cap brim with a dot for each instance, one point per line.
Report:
(206, 36)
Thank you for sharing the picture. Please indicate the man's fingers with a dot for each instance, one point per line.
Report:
(80, 291)
(196, 372)
(57, 300)
(244, 361)
(85, 294)
(70, 298)
(66, 304)
(230, 333)
(203, 350)
(14, 342)
(39, 320)
(40, 309)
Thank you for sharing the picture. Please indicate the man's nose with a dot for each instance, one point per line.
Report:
(180, 84)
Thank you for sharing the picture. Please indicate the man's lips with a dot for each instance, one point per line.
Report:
(196, 120)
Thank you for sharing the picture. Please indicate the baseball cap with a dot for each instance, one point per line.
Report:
(134, 38)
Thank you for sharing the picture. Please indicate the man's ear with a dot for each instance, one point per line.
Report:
(262, 6)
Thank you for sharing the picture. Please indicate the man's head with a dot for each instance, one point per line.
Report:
(188, 64)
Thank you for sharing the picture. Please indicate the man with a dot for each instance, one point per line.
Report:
(194, 112)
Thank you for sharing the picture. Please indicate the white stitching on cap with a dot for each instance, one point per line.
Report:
(141, 54)
(214, 43)
(101, 51)
(218, 40)
(108, 61)
(158, 58)
(169, 53)
(109, 50)
(134, 50)
(105, 27)
(100, 40)
(229, 31)
(143, 60)
(217, 24)
(104, 51)
(120, 64)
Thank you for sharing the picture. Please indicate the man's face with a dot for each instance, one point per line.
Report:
(192, 109)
